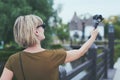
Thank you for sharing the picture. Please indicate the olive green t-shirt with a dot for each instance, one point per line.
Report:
(37, 66)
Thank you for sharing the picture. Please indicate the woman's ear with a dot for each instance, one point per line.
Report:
(36, 32)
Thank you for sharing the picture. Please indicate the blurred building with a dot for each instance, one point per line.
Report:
(80, 28)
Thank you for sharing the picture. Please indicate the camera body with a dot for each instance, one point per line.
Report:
(97, 19)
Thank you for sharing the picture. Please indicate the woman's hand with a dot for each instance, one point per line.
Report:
(94, 33)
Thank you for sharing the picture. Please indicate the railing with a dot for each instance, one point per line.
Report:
(96, 66)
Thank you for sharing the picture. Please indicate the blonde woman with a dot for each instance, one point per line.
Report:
(35, 62)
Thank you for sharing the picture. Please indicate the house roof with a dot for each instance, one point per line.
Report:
(76, 22)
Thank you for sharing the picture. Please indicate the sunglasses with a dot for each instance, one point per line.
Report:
(42, 25)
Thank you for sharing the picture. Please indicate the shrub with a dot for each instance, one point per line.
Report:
(117, 52)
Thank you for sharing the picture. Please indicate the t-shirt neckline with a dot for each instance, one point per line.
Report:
(34, 52)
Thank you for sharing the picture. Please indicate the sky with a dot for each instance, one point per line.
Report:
(104, 7)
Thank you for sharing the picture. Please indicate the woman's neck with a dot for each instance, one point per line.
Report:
(33, 49)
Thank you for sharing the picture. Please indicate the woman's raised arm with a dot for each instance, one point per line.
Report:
(75, 54)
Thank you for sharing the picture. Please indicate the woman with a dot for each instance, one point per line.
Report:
(35, 62)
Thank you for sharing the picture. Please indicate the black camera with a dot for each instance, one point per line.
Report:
(97, 19)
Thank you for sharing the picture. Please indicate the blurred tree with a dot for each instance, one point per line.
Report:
(117, 32)
(56, 19)
(62, 32)
(59, 29)
(11, 9)
(115, 20)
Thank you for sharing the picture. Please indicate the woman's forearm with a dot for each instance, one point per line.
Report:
(75, 54)
(87, 45)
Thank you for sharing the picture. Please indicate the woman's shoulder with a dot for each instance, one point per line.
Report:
(15, 55)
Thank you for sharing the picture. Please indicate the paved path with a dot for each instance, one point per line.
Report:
(117, 67)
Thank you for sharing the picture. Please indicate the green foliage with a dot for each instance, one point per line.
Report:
(11, 9)
(117, 31)
(5, 53)
(117, 52)
(116, 28)
(57, 46)
(115, 20)
(62, 32)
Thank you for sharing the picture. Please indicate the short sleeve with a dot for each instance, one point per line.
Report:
(9, 63)
(59, 56)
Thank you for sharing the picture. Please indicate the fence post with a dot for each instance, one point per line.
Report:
(105, 63)
(92, 54)
(111, 44)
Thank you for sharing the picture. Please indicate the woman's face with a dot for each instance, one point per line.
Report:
(40, 32)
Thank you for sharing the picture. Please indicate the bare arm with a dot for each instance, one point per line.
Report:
(7, 74)
(75, 54)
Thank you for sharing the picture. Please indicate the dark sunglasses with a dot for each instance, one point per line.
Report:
(42, 25)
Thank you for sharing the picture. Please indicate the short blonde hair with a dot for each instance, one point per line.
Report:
(24, 30)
